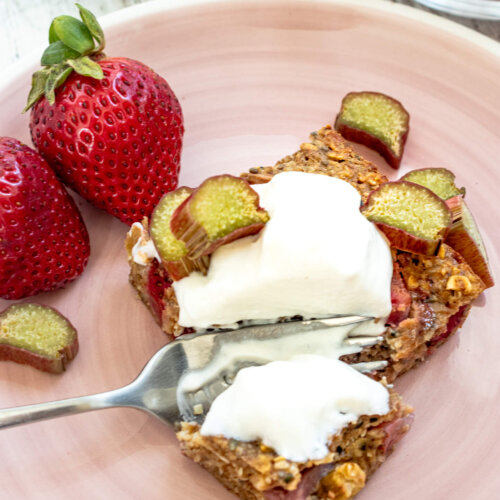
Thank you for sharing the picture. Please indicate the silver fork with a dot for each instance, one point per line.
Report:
(159, 387)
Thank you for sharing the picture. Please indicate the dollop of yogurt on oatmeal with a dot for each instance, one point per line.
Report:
(144, 249)
(317, 256)
(294, 406)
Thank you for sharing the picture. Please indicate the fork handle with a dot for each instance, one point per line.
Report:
(11, 417)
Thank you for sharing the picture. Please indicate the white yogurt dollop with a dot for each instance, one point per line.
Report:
(144, 249)
(318, 255)
(294, 406)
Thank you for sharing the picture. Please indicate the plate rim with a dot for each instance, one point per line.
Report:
(133, 13)
(148, 8)
(154, 6)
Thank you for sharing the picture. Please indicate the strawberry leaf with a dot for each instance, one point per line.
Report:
(86, 67)
(56, 77)
(63, 74)
(70, 42)
(93, 25)
(52, 34)
(37, 87)
(57, 52)
(73, 33)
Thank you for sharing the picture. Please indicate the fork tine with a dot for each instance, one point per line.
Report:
(362, 341)
(369, 366)
(340, 320)
(289, 324)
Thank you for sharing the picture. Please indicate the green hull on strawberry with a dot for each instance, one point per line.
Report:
(111, 128)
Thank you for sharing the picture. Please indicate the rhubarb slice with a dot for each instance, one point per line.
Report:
(172, 251)
(465, 238)
(439, 180)
(37, 335)
(412, 217)
(377, 121)
(223, 209)
(464, 235)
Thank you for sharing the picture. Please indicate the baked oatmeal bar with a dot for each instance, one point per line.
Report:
(431, 296)
(253, 471)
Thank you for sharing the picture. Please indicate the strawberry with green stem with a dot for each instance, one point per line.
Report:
(111, 127)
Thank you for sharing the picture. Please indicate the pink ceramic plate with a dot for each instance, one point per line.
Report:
(254, 78)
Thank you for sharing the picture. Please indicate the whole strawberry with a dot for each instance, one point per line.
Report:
(110, 127)
(43, 241)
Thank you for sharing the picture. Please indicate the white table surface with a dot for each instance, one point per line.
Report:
(24, 23)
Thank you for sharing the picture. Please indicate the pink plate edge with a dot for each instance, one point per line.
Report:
(133, 12)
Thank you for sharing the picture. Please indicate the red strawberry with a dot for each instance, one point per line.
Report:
(158, 282)
(43, 240)
(113, 129)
